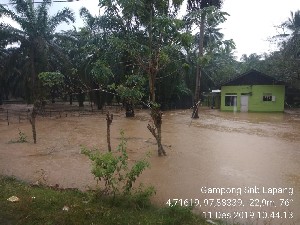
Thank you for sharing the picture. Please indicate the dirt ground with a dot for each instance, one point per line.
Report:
(237, 166)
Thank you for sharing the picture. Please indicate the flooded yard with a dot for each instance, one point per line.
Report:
(234, 166)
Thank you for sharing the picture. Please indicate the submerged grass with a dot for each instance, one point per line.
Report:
(43, 205)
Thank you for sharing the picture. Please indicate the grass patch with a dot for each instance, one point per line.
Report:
(43, 205)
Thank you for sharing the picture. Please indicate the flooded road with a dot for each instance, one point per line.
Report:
(240, 167)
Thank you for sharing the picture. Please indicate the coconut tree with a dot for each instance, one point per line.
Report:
(292, 45)
(293, 23)
(35, 37)
(197, 7)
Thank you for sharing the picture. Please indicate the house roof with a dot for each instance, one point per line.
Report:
(252, 77)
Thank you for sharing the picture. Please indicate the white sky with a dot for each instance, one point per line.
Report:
(250, 24)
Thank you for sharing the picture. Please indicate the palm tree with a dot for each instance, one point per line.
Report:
(292, 45)
(290, 51)
(212, 36)
(293, 23)
(88, 52)
(35, 39)
(194, 6)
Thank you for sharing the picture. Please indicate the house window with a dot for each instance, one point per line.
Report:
(230, 99)
(267, 97)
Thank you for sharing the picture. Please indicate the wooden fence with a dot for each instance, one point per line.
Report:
(9, 116)
(13, 116)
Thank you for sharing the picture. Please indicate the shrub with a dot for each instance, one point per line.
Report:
(113, 169)
(21, 139)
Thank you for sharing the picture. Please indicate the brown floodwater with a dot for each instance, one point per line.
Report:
(235, 166)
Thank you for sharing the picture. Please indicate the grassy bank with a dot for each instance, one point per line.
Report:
(43, 205)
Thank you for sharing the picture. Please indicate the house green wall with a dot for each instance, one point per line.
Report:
(255, 99)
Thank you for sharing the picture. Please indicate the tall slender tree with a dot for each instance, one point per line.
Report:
(197, 6)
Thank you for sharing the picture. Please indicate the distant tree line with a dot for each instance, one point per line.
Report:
(135, 51)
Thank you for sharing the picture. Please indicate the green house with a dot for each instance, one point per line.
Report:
(253, 92)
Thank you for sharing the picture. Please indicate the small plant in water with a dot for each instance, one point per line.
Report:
(112, 168)
(21, 139)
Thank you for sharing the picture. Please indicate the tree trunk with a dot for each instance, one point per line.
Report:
(1, 102)
(198, 70)
(71, 98)
(152, 86)
(109, 119)
(161, 150)
(32, 121)
(52, 97)
(32, 92)
(81, 98)
(99, 99)
(156, 114)
(129, 108)
(155, 130)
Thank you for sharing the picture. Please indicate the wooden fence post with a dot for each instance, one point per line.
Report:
(7, 117)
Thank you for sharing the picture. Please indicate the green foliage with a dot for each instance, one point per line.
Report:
(113, 169)
(101, 72)
(51, 79)
(128, 42)
(284, 64)
(142, 195)
(209, 51)
(186, 39)
(154, 105)
(181, 89)
(148, 37)
(212, 16)
(134, 173)
(140, 199)
(52, 83)
(177, 215)
(131, 89)
(42, 205)
(204, 60)
(201, 4)
(21, 139)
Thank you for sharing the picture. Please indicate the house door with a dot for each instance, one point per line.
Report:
(244, 103)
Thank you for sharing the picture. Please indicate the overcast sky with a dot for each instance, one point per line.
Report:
(250, 24)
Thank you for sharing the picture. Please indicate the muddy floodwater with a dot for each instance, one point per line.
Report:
(234, 166)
